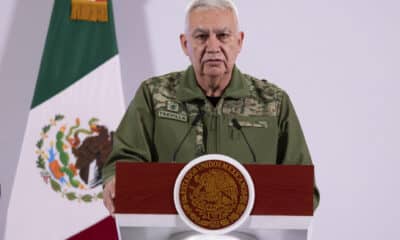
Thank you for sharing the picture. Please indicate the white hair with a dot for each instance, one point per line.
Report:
(210, 4)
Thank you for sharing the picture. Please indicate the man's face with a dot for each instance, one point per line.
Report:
(212, 41)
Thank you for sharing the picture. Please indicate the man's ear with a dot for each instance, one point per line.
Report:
(184, 43)
(240, 40)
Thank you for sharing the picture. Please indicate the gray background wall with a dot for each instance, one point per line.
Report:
(339, 60)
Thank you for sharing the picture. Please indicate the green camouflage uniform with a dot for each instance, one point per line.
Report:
(164, 108)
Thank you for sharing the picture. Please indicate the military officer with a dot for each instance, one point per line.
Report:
(211, 107)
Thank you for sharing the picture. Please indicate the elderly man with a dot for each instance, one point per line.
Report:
(211, 107)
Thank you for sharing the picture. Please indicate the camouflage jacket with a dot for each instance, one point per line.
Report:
(164, 109)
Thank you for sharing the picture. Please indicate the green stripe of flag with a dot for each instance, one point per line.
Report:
(72, 50)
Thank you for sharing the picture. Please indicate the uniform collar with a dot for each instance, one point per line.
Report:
(188, 88)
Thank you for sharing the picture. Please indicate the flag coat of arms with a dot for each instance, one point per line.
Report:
(77, 104)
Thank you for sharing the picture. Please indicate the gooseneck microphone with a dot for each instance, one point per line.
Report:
(198, 117)
(236, 124)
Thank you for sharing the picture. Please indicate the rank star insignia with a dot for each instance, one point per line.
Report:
(173, 106)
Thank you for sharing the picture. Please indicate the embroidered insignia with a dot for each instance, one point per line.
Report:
(172, 106)
(172, 115)
(70, 158)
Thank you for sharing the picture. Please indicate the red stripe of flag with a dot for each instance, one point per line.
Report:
(105, 229)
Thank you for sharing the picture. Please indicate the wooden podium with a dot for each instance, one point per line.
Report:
(283, 206)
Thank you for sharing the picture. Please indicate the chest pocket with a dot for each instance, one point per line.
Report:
(255, 128)
(253, 123)
(261, 134)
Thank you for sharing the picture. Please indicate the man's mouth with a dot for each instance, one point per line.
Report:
(213, 61)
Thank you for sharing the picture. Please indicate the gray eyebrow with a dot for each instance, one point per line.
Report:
(221, 30)
(200, 30)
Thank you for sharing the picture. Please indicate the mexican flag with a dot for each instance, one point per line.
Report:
(77, 104)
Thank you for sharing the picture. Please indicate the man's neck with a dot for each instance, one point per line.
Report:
(213, 86)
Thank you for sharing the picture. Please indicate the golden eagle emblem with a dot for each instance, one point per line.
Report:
(214, 194)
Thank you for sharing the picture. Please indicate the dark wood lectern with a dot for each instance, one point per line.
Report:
(145, 207)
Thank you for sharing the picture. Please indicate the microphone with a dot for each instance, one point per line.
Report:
(236, 124)
(198, 117)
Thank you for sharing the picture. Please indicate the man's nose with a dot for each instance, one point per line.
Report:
(213, 44)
